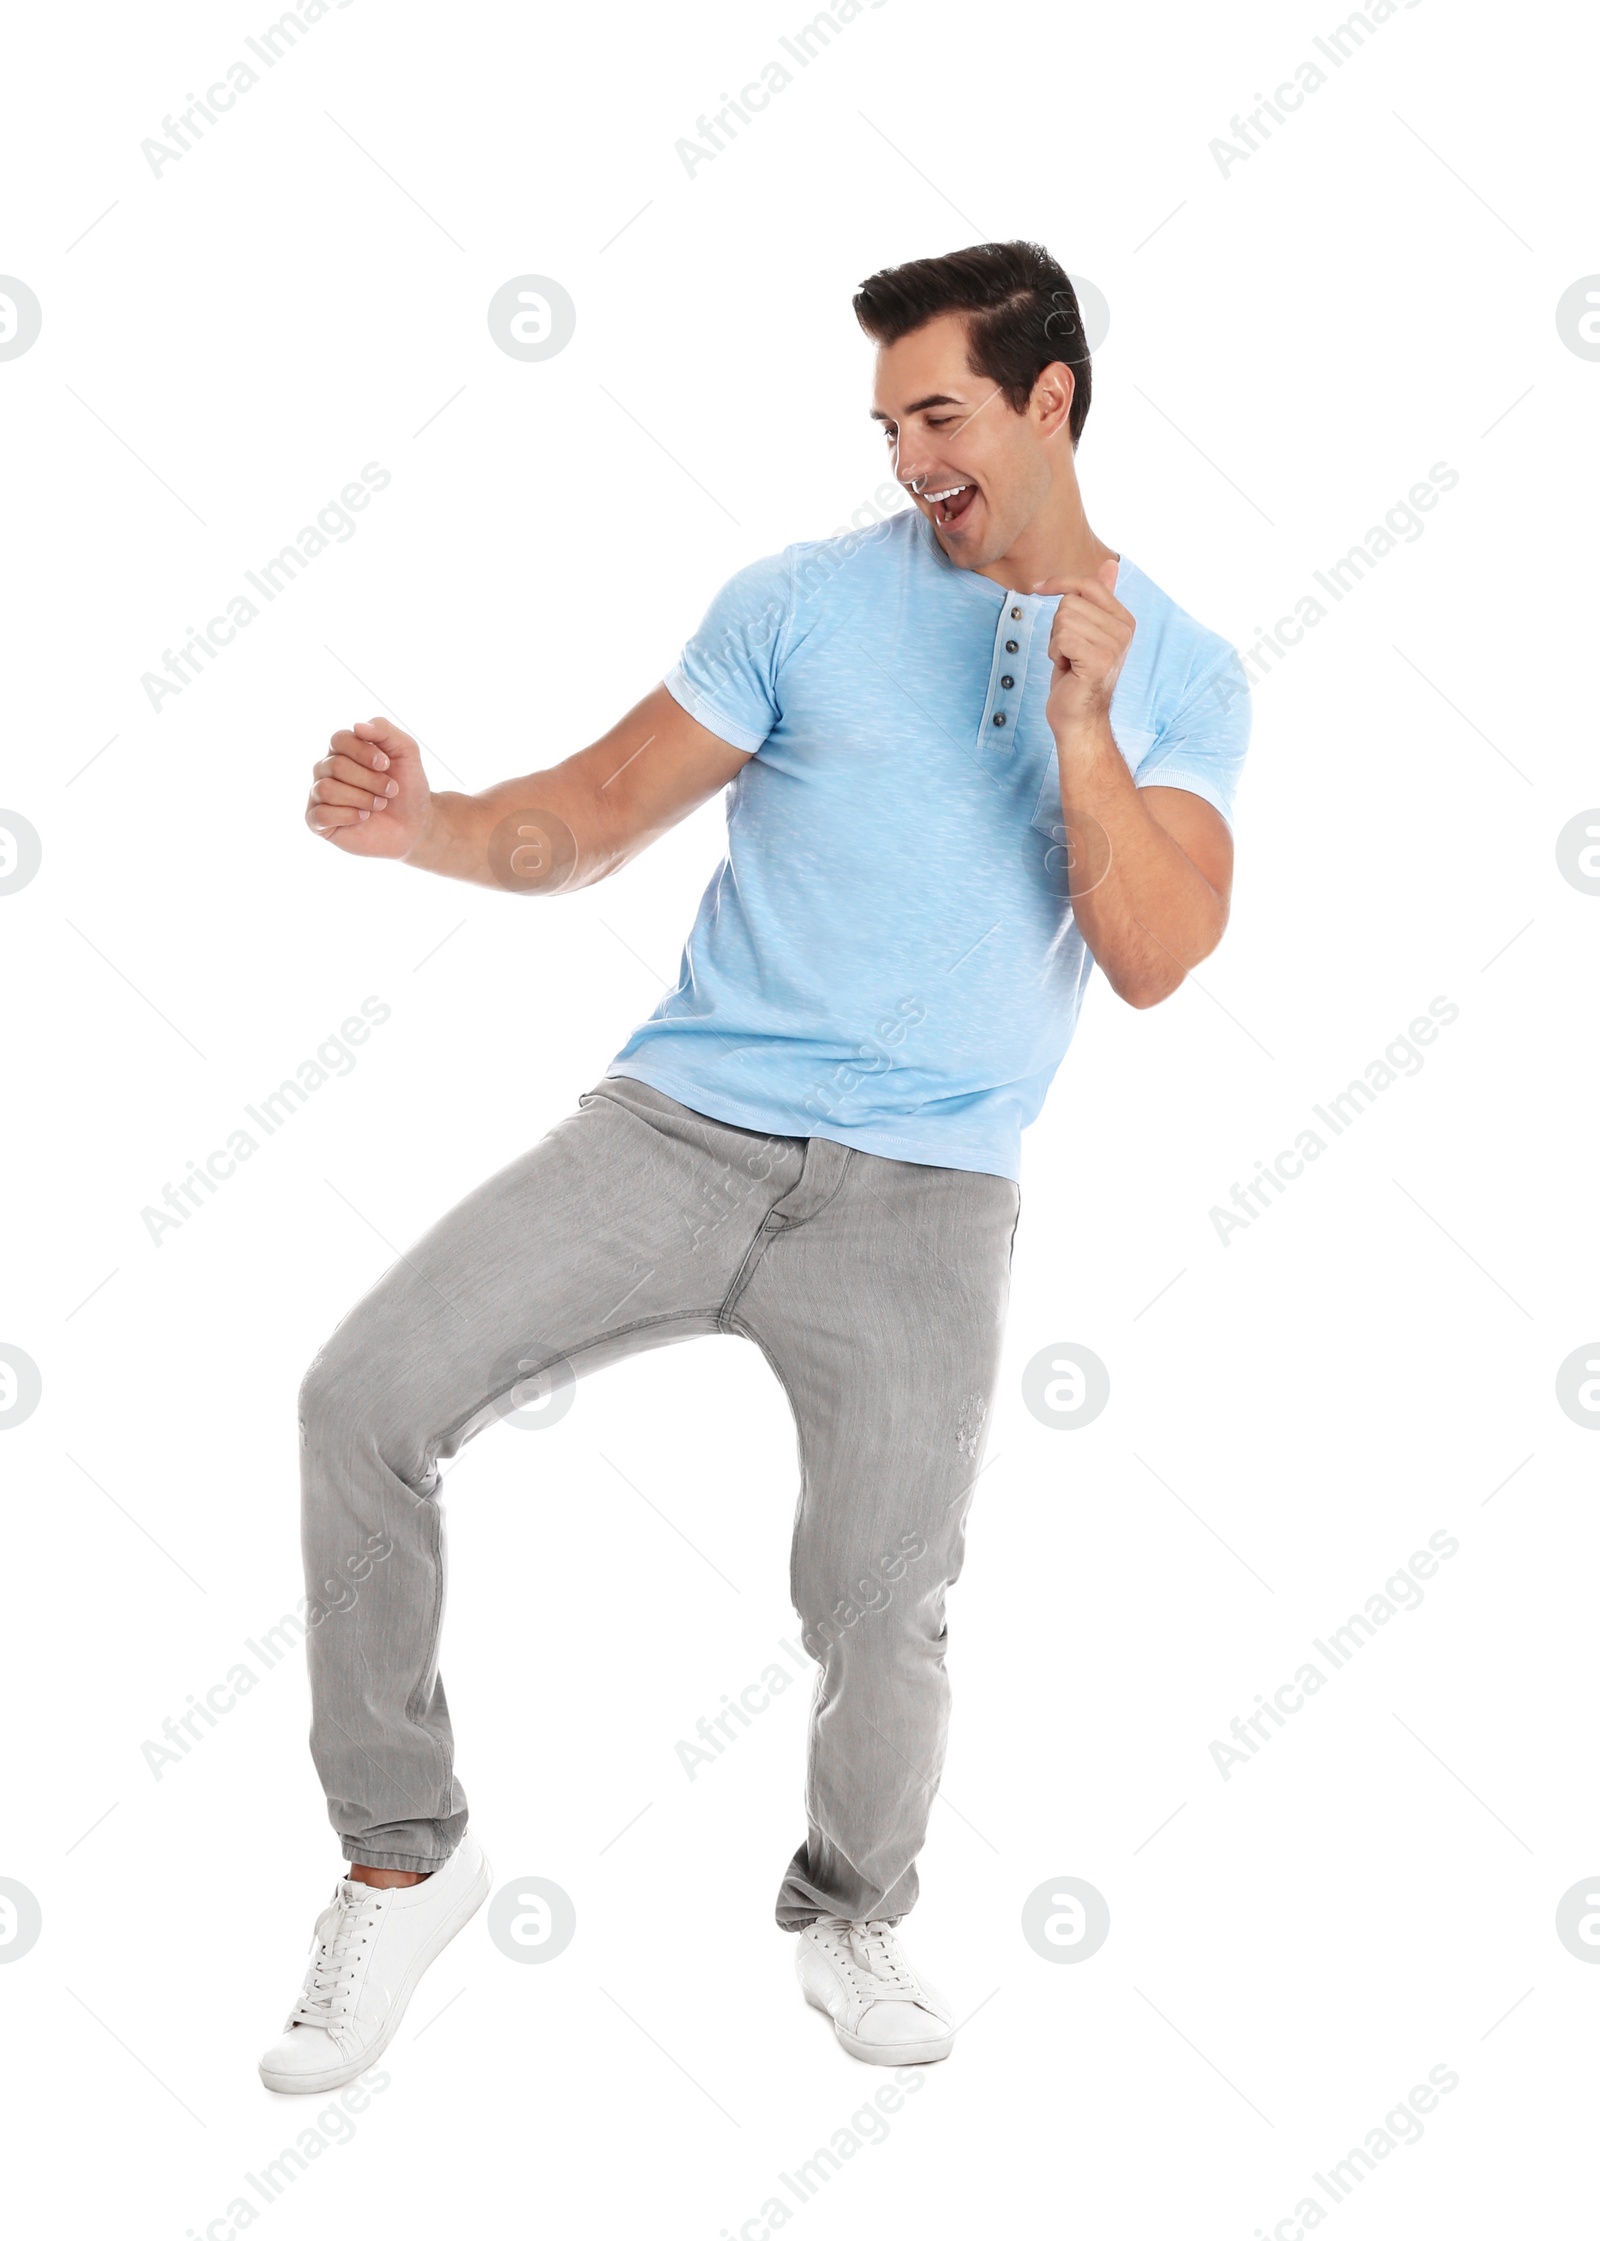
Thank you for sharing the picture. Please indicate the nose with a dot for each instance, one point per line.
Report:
(911, 476)
(915, 476)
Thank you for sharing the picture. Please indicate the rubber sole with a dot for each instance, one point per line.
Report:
(329, 2081)
(887, 2057)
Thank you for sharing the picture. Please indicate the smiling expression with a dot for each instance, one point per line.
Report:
(976, 470)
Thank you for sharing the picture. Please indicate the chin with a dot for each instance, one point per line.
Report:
(981, 546)
(973, 555)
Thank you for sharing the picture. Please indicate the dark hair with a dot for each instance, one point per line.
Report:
(1021, 310)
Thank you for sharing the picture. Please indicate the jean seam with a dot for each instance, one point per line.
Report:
(407, 1863)
(790, 1222)
(764, 1236)
(572, 1354)
(742, 1329)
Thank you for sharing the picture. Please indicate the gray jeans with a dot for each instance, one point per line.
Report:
(877, 1291)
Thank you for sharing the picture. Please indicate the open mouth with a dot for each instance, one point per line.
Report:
(949, 505)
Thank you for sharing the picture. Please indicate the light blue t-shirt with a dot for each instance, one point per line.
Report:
(886, 955)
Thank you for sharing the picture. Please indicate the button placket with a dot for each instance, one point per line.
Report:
(1007, 675)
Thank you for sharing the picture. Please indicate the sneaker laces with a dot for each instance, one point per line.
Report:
(341, 1929)
(872, 1951)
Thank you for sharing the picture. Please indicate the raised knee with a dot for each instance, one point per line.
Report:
(334, 1400)
(359, 1404)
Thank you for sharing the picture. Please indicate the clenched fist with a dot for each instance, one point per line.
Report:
(369, 795)
(1089, 641)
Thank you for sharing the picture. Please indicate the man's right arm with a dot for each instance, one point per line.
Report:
(555, 829)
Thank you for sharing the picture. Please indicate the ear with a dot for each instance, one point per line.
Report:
(1053, 391)
(1107, 573)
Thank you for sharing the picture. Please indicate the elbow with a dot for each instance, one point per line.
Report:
(1150, 980)
(1152, 989)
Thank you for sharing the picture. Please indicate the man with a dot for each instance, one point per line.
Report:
(968, 752)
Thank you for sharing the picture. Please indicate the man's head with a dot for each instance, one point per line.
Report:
(982, 388)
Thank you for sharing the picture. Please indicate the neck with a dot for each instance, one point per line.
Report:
(1057, 541)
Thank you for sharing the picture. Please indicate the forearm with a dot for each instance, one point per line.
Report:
(1144, 908)
(551, 830)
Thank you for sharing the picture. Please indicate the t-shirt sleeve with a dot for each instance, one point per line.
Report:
(1202, 749)
(727, 675)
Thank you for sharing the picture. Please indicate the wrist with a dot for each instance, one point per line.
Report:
(425, 850)
(1085, 729)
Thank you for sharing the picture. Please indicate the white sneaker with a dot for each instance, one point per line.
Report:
(882, 2010)
(372, 1947)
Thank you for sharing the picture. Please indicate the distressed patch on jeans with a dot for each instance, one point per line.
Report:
(969, 1425)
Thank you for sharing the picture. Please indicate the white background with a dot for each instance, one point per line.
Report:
(1374, 1360)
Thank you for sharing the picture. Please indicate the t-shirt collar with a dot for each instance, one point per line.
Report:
(984, 588)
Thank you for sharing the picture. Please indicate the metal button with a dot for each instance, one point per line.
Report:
(1016, 614)
(1011, 645)
(1000, 716)
(1008, 682)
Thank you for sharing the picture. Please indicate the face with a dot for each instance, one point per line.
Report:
(978, 471)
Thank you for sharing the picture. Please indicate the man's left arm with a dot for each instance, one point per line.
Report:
(1150, 868)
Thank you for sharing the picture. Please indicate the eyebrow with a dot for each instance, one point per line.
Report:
(921, 405)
